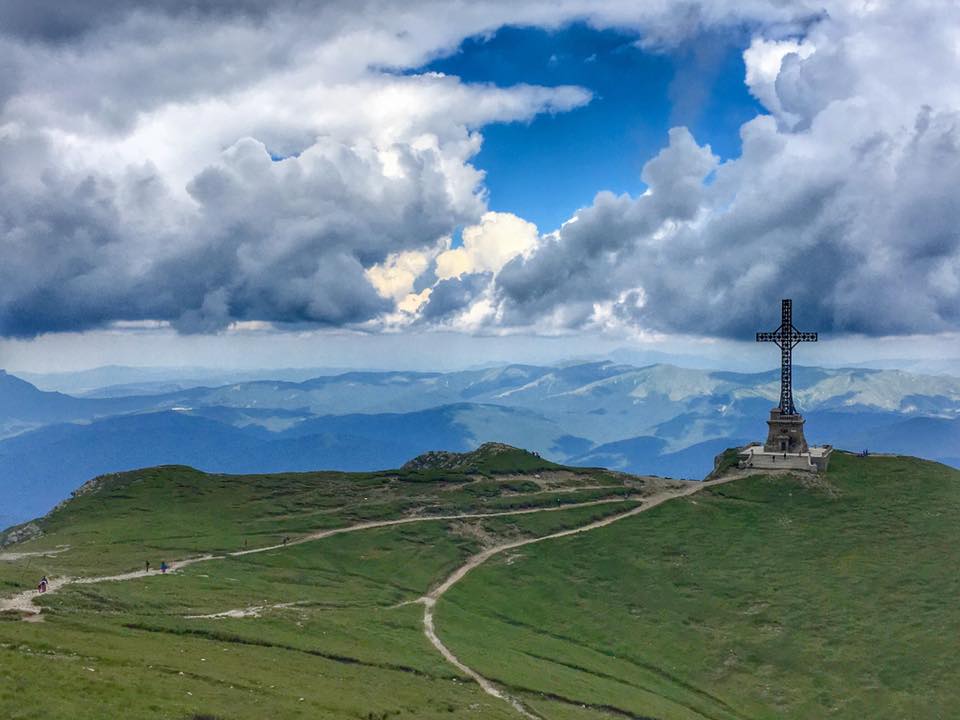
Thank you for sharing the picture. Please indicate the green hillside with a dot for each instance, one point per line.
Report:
(754, 598)
(341, 642)
(761, 598)
(116, 521)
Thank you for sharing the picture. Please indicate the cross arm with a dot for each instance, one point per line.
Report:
(768, 336)
(804, 336)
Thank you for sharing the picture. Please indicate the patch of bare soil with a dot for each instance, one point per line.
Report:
(15, 556)
(475, 531)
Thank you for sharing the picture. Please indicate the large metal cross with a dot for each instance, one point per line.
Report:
(786, 337)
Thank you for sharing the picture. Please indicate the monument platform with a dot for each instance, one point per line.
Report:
(813, 460)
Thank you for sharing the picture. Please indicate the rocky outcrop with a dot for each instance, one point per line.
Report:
(20, 533)
(444, 460)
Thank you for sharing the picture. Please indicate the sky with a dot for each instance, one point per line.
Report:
(637, 95)
(436, 184)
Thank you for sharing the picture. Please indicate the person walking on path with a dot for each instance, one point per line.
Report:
(42, 587)
(147, 565)
(164, 566)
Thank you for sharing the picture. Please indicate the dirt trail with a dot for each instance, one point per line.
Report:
(23, 602)
(15, 556)
(320, 535)
(252, 611)
(429, 601)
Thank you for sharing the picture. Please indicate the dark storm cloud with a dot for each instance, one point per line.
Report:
(868, 247)
(844, 198)
(136, 179)
(132, 188)
(58, 22)
(453, 295)
(286, 243)
(588, 260)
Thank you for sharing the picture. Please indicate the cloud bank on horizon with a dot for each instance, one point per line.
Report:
(281, 162)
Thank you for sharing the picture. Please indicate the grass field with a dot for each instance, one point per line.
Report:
(760, 598)
(175, 512)
(329, 631)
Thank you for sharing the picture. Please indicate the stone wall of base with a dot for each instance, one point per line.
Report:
(756, 457)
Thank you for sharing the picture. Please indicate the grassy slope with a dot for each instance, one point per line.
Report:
(344, 650)
(176, 512)
(762, 598)
(347, 647)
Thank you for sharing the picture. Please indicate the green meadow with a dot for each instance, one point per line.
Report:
(758, 598)
(761, 598)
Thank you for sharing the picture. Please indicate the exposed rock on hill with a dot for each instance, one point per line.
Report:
(491, 457)
(20, 533)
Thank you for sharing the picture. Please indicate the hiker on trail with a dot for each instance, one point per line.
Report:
(42, 587)
(286, 540)
(147, 564)
(164, 567)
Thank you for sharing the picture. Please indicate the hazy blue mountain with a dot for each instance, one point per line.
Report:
(657, 419)
(925, 366)
(117, 380)
(926, 437)
(23, 406)
(42, 467)
(646, 455)
(160, 387)
(601, 401)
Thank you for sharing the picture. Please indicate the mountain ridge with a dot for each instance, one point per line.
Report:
(365, 420)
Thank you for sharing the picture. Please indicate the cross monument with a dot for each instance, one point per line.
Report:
(785, 423)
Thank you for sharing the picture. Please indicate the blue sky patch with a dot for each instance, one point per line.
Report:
(546, 169)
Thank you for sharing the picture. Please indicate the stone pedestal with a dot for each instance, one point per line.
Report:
(785, 434)
(754, 457)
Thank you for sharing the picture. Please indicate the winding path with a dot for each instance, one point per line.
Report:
(23, 602)
(429, 601)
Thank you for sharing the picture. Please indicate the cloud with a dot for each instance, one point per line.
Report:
(487, 246)
(843, 199)
(205, 163)
(57, 22)
(439, 284)
(763, 61)
(590, 260)
(250, 193)
(454, 295)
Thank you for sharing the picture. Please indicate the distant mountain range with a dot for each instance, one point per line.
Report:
(658, 419)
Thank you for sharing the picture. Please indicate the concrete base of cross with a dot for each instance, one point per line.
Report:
(756, 456)
(785, 433)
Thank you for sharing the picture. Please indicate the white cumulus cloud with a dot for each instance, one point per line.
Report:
(203, 163)
(488, 246)
(844, 199)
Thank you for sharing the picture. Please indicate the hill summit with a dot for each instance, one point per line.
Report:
(489, 459)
